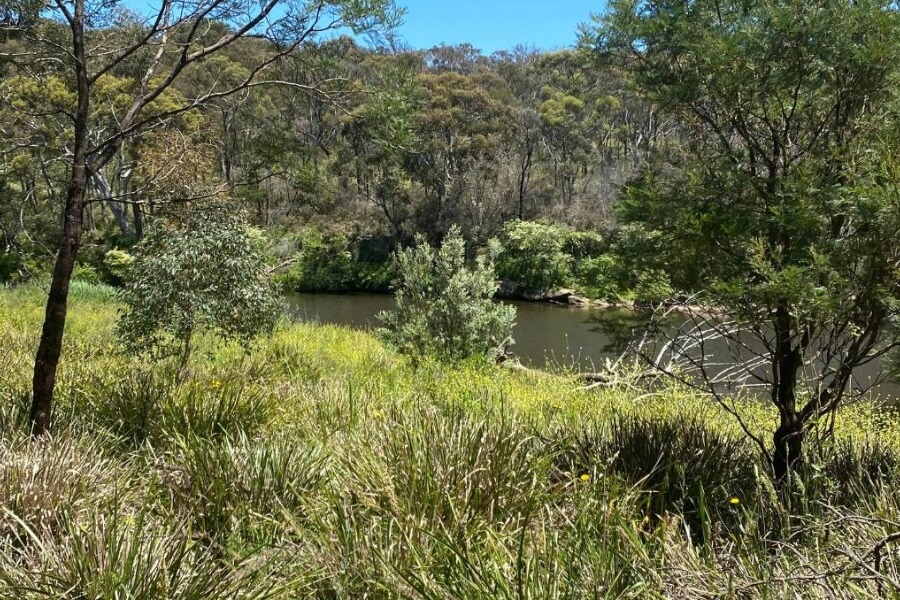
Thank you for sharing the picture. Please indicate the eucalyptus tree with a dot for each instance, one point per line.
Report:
(782, 205)
(457, 126)
(84, 41)
(197, 270)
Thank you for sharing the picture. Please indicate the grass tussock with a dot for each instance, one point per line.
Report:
(322, 465)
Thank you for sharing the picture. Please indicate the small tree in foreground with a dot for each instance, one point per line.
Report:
(783, 206)
(197, 270)
(444, 308)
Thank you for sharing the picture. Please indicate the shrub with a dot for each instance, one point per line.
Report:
(112, 553)
(534, 256)
(128, 406)
(87, 274)
(334, 263)
(682, 465)
(598, 277)
(92, 292)
(214, 411)
(585, 244)
(445, 309)
(237, 489)
(11, 266)
(199, 270)
(115, 265)
(639, 271)
(41, 485)
(326, 263)
(453, 468)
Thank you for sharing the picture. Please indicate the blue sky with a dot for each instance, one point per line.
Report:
(489, 25)
(495, 24)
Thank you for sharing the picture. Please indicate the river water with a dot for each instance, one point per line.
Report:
(546, 335)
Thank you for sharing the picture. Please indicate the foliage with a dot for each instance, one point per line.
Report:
(390, 148)
(615, 265)
(533, 255)
(319, 261)
(335, 262)
(116, 263)
(781, 210)
(444, 308)
(10, 266)
(195, 271)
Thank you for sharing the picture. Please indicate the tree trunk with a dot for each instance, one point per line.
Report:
(524, 173)
(104, 190)
(50, 346)
(183, 368)
(788, 438)
(138, 221)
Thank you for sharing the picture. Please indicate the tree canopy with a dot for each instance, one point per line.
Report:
(781, 205)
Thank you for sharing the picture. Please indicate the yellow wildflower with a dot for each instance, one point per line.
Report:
(734, 501)
(585, 477)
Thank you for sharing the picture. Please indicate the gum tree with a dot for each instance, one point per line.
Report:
(196, 270)
(85, 40)
(782, 203)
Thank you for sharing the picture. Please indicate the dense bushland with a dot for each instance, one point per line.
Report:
(324, 465)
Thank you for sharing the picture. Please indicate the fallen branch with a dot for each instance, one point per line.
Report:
(282, 265)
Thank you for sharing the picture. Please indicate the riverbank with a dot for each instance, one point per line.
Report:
(323, 465)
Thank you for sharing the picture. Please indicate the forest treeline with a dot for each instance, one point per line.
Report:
(343, 154)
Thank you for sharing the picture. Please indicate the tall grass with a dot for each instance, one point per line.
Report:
(324, 466)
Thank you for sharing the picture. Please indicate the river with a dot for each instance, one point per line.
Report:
(546, 335)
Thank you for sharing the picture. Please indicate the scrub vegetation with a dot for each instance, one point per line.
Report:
(323, 464)
(166, 433)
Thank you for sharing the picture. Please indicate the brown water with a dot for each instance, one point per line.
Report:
(546, 335)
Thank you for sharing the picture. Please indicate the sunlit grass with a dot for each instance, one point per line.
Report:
(322, 464)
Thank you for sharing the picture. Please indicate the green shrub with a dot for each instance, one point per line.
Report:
(194, 271)
(14, 404)
(42, 486)
(89, 291)
(533, 255)
(334, 263)
(639, 271)
(687, 467)
(326, 263)
(129, 406)
(598, 277)
(682, 466)
(585, 244)
(145, 406)
(444, 308)
(120, 552)
(214, 410)
(10, 266)
(849, 472)
(237, 488)
(453, 468)
(653, 287)
(115, 266)
(87, 274)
